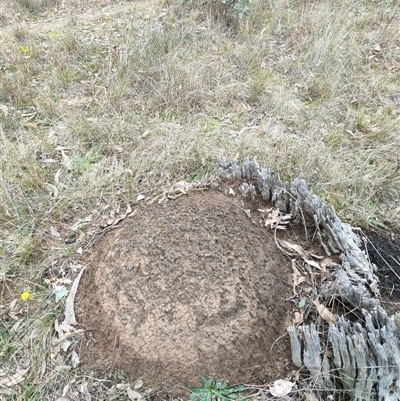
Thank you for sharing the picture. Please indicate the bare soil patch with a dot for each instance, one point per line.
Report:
(184, 289)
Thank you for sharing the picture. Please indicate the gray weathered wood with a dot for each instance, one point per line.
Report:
(365, 354)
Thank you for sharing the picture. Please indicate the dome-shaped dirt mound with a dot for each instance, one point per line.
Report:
(185, 289)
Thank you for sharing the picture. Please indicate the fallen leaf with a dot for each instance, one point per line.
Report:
(43, 369)
(81, 222)
(312, 263)
(52, 138)
(53, 190)
(65, 345)
(12, 304)
(138, 384)
(66, 161)
(54, 233)
(13, 316)
(134, 395)
(14, 379)
(74, 359)
(15, 326)
(288, 246)
(298, 318)
(66, 328)
(281, 387)
(324, 312)
(69, 304)
(297, 249)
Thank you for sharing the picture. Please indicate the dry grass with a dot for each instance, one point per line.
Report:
(101, 102)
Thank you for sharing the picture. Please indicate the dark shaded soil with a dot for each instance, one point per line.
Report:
(185, 289)
(384, 251)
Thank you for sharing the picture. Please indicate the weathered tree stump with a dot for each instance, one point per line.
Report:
(364, 353)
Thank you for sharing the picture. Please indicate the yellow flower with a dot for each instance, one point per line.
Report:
(25, 295)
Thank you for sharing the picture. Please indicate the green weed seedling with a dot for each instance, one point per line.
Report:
(213, 390)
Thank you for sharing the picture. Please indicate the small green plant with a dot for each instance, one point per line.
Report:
(241, 7)
(82, 164)
(213, 390)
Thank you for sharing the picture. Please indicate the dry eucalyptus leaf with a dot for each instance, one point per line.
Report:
(54, 233)
(52, 138)
(134, 395)
(324, 312)
(281, 387)
(312, 263)
(15, 326)
(81, 222)
(69, 304)
(298, 318)
(65, 345)
(43, 369)
(288, 246)
(12, 304)
(294, 248)
(74, 359)
(13, 316)
(57, 176)
(66, 328)
(14, 379)
(66, 161)
(138, 384)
